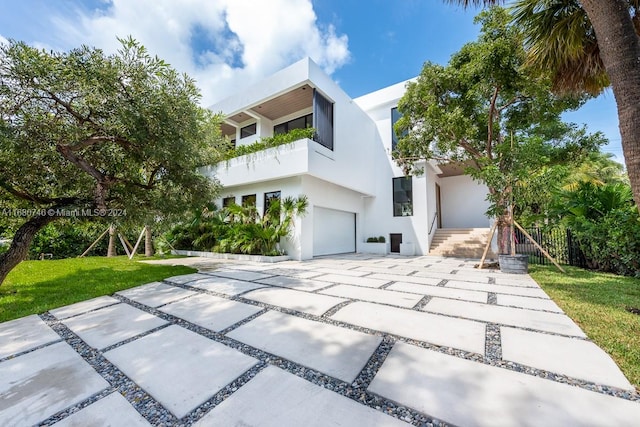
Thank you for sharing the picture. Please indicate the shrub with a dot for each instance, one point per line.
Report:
(372, 240)
(381, 239)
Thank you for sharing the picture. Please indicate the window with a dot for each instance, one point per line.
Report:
(299, 123)
(249, 200)
(323, 120)
(402, 196)
(269, 198)
(395, 116)
(248, 131)
(228, 201)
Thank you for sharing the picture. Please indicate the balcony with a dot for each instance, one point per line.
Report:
(300, 157)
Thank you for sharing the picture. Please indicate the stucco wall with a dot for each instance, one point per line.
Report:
(463, 202)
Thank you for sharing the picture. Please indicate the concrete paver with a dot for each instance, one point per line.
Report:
(241, 274)
(538, 320)
(110, 325)
(210, 312)
(179, 368)
(186, 278)
(182, 369)
(402, 278)
(83, 307)
(339, 352)
(572, 357)
(24, 334)
(36, 385)
(305, 302)
(439, 330)
(223, 285)
(155, 294)
(467, 393)
(528, 302)
(439, 291)
(374, 295)
(294, 283)
(276, 398)
(110, 411)
(500, 289)
(351, 280)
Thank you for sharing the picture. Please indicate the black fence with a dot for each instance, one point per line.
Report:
(559, 243)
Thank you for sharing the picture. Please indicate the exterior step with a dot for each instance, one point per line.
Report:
(460, 242)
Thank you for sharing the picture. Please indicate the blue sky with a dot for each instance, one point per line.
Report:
(228, 44)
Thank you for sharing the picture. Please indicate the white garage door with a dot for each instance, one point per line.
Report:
(334, 232)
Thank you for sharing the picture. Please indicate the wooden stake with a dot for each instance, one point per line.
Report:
(486, 248)
(539, 247)
(135, 248)
(95, 243)
(124, 245)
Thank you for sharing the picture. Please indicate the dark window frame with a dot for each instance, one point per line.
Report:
(268, 197)
(323, 120)
(227, 201)
(404, 191)
(395, 116)
(248, 130)
(308, 122)
(247, 197)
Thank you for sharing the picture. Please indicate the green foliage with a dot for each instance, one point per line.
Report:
(68, 239)
(372, 240)
(268, 142)
(607, 224)
(381, 239)
(599, 303)
(37, 286)
(486, 109)
(240, 229)
(81, 129)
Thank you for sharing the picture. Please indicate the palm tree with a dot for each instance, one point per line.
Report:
(588, 45)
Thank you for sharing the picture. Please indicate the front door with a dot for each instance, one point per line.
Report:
(396, 239)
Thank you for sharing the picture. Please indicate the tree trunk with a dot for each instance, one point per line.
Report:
(20, 245)
(148, 242)
(504, 235)
(111, 249)
(620, 51)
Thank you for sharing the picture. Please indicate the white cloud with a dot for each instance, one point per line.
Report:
(239, 41)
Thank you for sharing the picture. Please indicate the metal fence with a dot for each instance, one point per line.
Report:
(560, 243)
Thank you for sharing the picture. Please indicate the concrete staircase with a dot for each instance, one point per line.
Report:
(460, 242)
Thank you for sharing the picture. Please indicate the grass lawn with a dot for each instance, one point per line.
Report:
(598, 302)
(37, 286)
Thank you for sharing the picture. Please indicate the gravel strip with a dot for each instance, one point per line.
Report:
(30, 350)
(442, 282)
(423, 302)
(492, 298)
(493, 343)
(58, 416)
(146, 405)
(333, 310)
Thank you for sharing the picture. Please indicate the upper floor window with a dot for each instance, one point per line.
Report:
(402, 196)
(248, 130)
(299, 123)
(323, 120)
(395, 116)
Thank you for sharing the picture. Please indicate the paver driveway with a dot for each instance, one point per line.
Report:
(352, 341)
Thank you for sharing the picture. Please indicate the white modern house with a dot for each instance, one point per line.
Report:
(355, 189)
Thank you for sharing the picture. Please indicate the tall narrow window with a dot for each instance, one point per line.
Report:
(249, 200)
(269, 199)
(323, 120)
(395, 116)
(402, 196)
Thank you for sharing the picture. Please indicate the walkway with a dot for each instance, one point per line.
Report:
(351, 341)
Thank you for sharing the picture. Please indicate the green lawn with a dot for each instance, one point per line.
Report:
(598, 302)
(38, 286)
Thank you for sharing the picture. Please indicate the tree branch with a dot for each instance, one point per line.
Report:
(92, 140)
(492, 112)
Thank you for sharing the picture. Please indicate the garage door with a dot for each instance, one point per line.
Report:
(334, 232)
